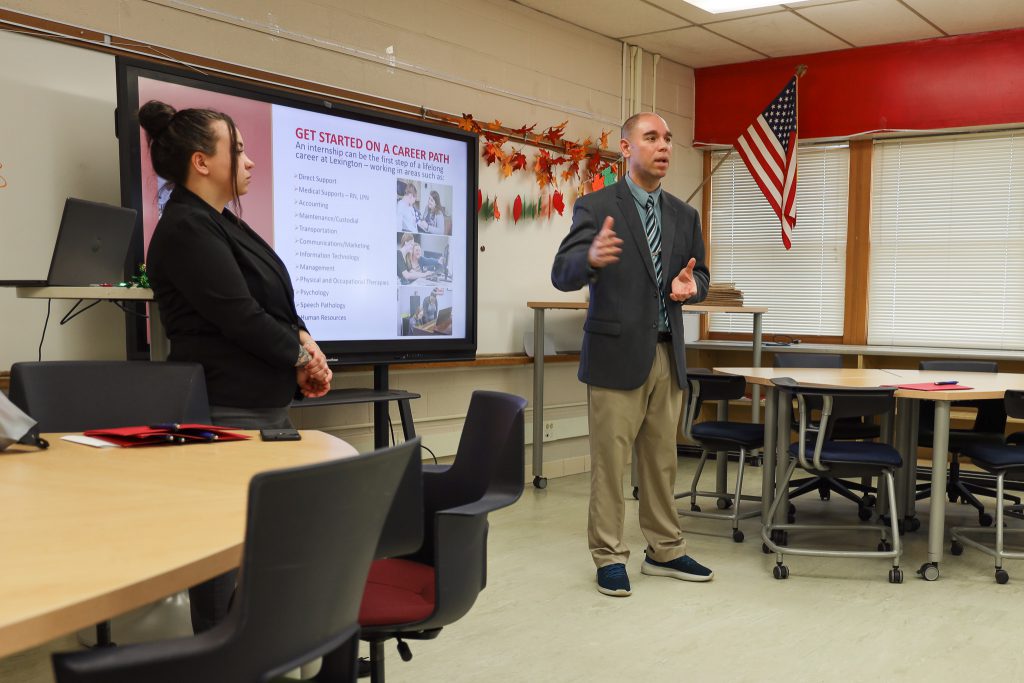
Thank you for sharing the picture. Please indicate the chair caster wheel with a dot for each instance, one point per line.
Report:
(1002, 576)
(724, 503)
(737, 536)
(636, 493)
(404, 651)
(864, 513)
(895, 575)
(869, 501)
(694, 507)
(929, 571)
(780, 571)
(956, 548)
(765, 549)
(825, 495)
(985, 519)
(912, 524)
(540, 482)
(884, 547)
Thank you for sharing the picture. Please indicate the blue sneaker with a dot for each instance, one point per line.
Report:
(613, 580)
(685, 568)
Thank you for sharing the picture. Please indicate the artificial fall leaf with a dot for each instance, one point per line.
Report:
(542, 168)
(517, 209)
(604, 138)
(594, 162)
(497, 138)
(467, 123)
(497, 211)
(522, 132)
(506, 167)
(492, 152)
(479, 199)
(558, 202)
(573, 169)
(554, 133)
(494, 125)
(518, 160)
(597, 182)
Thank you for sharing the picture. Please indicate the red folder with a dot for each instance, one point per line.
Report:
(932, 386)
(155, 435)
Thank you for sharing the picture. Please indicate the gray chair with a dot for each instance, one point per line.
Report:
(999, 460)
(720, 437)
(988, 429)
(851, 429)
(310, 537)
(73, 396)
(817, 452)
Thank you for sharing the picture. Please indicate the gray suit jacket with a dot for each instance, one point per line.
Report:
(621, 329)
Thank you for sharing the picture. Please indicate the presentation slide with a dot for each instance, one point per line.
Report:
(370, 219)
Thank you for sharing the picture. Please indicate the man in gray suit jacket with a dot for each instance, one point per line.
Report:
(641, 252)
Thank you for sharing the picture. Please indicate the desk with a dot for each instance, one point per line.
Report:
(538, 366)
(777, 426)
(158, 345)
(90, 533)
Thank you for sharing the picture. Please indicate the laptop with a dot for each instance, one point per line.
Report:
(91, 248)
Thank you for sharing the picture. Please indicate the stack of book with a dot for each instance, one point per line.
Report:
(723, 294)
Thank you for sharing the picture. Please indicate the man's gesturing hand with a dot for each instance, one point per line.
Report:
(606, 247)
(684, 286)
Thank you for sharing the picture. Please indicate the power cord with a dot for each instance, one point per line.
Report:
(391, 426)
(45, 323)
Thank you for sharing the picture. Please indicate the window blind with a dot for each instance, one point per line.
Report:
(803, 288)
(947, 242)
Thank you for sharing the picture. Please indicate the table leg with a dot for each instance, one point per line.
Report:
(783, 417)
(755, 394)
(912, 430)
(937, 512)
(539, 480)
(768, 457)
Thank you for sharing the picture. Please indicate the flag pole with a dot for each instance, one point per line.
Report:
(801, 69)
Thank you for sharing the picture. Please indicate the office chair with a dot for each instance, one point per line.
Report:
(852, 429)
(73, 396)
(414, 597)
(988, 429)
(1000, 460)
(817, 452)
(719, 437)
(310, 537)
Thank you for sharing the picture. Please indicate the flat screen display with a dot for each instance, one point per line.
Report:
(374, 215)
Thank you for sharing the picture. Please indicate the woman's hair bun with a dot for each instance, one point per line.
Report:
(155, 116)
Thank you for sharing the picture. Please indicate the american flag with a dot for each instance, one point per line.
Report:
(768, 148)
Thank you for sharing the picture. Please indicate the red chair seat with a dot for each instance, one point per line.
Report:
(397, 592)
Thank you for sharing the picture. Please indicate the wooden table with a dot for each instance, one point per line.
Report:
(90, 533)
(984, 385)
(539, 307)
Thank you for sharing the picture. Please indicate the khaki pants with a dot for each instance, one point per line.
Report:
(647, 417)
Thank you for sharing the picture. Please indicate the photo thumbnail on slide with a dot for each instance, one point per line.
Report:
(424, 311)
(423, 259)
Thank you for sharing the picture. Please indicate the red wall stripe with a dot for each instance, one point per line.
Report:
(954, 82)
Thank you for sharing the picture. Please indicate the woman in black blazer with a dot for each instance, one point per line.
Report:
(225, 297)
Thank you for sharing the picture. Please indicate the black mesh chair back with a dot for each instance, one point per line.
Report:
(989, 423)
(808, 360)
(708, 386)
(1013, 401)
(72, 396)
(310, 537)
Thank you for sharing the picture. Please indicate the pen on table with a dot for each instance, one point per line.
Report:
(170, 426)
(947, 381)
(206, 436)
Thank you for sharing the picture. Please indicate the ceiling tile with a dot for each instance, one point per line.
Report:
(612, 18)
(957, 16)
(695, 47)
(778, 34)
(870, 22)
(699, 16)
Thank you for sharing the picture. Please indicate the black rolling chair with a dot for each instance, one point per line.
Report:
(413, 597)
(817, 452)
(999, 460)
(73, 396)
(850, 429)
(719, 437)
(988, 429)
(310, 537)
